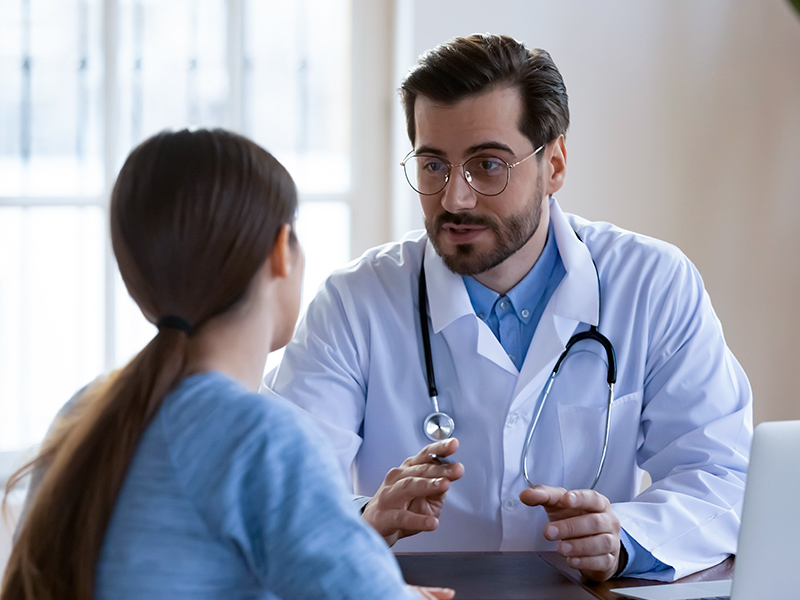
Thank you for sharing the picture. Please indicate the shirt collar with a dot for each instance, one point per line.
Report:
(483, 299)
(576, 298)
(447, 297)
(526, 294)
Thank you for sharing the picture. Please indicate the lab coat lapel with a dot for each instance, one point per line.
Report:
(448, 301)
(576, 300)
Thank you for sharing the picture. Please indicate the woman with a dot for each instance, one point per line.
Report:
(172, 478)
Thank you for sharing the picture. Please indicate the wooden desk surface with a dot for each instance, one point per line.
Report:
(521, 576)
(492, 575)
(723, 570)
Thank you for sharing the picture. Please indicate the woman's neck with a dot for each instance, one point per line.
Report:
(235, 346)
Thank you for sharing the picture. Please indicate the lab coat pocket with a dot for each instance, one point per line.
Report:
(582, 430)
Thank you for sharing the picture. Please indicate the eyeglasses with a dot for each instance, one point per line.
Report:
(487, 175)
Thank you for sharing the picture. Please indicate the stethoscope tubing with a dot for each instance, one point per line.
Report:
(439, 425)
(535, 420)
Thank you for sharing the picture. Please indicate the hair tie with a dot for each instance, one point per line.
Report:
(173, 322)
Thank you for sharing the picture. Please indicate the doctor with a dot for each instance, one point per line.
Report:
(510, 279)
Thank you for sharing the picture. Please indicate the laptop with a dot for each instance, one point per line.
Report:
(768, 554)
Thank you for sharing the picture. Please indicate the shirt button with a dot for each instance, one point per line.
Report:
(503, 304)
(481, 315)
(513, 358)
(510, 504)
(512, 420)
(525, 313)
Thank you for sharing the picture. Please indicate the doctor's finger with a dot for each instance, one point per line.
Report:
(583, 526)
(406, 489)
(588, 500)
(595, 545)
(597, 568)
(450, 471)
(544, 495)
(427, 471)
(440, 448)
(406, 521)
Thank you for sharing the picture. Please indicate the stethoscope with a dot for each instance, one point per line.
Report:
(439, 425)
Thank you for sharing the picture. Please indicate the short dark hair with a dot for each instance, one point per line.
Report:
(466, 66)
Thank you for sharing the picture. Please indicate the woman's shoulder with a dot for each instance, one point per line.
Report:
(227, 444)
(211, 407)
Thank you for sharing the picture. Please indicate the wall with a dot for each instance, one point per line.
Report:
(685, 126)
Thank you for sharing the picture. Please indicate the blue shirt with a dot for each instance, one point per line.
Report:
(232, 495)
(513, 318)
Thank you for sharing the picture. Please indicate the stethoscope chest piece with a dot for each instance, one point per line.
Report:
(438, 426)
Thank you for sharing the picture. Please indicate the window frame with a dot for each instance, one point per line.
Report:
(369, 197)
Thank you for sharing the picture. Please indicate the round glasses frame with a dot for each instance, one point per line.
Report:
(464, 172)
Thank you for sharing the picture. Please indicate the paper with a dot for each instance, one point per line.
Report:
(678, 591)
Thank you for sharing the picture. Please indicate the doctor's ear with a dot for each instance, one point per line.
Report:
(555, 165)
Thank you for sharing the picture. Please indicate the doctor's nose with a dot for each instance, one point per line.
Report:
(458, 195)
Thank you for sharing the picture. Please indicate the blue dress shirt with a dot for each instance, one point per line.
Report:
(513, 317)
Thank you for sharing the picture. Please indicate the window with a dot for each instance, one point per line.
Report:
(83, 82)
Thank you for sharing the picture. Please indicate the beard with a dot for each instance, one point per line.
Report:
(510, 234)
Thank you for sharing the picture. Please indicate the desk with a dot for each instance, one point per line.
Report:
(520, 576)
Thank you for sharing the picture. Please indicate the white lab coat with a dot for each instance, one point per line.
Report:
(682, 408)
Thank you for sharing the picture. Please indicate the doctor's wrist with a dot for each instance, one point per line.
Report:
(623, 561)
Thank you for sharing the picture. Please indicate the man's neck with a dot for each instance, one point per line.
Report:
(511, 271)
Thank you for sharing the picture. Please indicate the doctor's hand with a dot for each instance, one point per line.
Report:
(411, 496)
(585, 525)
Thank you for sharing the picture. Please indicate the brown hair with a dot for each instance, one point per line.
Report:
(471, 65)
(194, 215)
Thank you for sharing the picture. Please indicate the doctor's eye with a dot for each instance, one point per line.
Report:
(486, 167)
(430, 165)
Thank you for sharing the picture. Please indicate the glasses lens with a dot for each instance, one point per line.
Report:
(426, 174)
(487, 175)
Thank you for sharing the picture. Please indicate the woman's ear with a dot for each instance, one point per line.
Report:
(557, 166)
(281, 257)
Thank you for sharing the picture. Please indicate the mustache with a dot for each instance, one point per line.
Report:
(445, 218)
